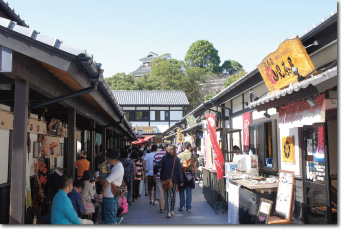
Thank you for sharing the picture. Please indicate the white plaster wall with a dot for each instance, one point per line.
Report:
(175, 108)
(175, 115)
(142, 108)
(137, 123)
(237, 104)
(161, 126)
(31, 160)
(331, 104)
(259, 116)
(285, 132)
(159, 108)
(4, 155)
(237, 123)
(128, 108)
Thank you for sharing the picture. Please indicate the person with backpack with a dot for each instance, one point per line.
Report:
(128, 177)
(189, 167)
(171, 169)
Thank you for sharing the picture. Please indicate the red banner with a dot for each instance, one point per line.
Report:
(217, 154)
(246, 123)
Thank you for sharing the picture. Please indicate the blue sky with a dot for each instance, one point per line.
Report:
(119, 33)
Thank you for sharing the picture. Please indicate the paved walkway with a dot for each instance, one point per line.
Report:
(141, 212)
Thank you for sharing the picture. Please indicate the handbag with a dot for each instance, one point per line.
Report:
(168, 184)
(123, 204)
(119, 191)
(89, 208)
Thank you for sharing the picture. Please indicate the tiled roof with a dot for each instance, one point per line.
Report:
(140, 71)
(11, 13)
(154, 97)
(149, 57)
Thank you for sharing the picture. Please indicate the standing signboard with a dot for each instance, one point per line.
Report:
(285, 194)
(264, 211)
(276, 68)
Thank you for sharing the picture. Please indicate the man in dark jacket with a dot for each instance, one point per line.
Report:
(76, 197)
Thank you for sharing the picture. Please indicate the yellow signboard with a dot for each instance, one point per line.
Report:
(276, 68)
(145, 129)
(288, 149)
(180, 136)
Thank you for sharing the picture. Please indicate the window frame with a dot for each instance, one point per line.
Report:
(274, 148)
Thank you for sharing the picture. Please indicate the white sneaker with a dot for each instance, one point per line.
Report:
(119, 222)
(172, 213)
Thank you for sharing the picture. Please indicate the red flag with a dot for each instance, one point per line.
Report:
(217, 154)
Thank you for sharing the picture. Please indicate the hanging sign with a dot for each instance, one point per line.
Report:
(246, 123)
(276, 68)
(288, 149)
(301, 113)
(36, 126)
(52, 146)
(6, 119)
(218, 158)
(180, 136)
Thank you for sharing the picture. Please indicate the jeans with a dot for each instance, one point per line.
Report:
(188, 197)
(129, 195)
(110, 209)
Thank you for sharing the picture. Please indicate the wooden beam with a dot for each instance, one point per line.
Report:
(91, 151)
(72, 144)
(104, 140)
(19, 154)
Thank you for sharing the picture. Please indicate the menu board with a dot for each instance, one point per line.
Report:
(284, 194)
(264, 211)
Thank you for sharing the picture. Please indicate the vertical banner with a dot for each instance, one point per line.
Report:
(246, 123)
(217, 154)
(288, 149)
(180, 136)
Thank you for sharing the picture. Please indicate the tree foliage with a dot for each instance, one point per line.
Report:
(231, 67)
(229, 81)
(202, 54)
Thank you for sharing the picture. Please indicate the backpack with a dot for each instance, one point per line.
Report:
(156, 167)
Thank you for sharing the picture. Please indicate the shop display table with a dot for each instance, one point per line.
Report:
(250, 195)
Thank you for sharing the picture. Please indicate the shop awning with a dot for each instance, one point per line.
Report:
(143, 140)
(297, 91)
(193, 128)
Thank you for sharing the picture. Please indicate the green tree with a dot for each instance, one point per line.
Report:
(202, 54)
(121, 81)
(229, 81)
(231, 67)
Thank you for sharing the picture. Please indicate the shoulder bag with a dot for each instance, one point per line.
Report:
(119, 191)
(168, 184)
(89, 208)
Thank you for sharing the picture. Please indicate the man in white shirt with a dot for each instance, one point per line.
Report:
(110, 203)
(148, 166)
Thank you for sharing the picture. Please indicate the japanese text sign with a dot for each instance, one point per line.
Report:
(276, 68)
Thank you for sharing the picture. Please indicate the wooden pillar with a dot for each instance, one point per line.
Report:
(72, 143)
(19, 154)
(104, 140)
(91, 151)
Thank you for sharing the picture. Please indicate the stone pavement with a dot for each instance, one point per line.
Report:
(141, 212)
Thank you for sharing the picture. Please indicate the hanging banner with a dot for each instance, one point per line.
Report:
(6, 119)
(180, 136)
(288, 149)
(246, 123)
(301, 113)
(52, 146)
(218, 158)
(276, 68)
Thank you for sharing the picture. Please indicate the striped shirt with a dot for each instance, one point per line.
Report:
(158, 156)
(138, 169)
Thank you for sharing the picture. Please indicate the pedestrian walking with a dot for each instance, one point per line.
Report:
(148, 166)
(138, 174)
(159, 191)
(128, 177)
(189, 165)
(171, 168)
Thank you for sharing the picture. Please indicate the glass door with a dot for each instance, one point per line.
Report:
(316, 176)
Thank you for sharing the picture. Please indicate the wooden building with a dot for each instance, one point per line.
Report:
(49, 90)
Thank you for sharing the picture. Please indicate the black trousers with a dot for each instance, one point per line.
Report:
(136, 188)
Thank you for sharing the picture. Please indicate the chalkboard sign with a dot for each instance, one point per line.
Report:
(264, 211)
(284, 194)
